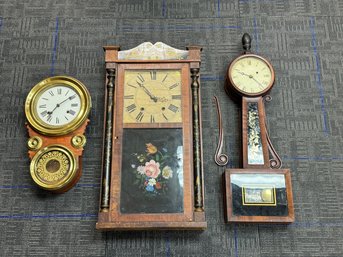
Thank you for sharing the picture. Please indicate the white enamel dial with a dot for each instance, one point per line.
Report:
(58, 105)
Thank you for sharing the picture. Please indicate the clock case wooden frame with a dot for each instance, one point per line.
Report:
(193, 215)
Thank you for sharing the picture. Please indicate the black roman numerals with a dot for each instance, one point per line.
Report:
(164, 116)
(49, 118)
(72, 97)
(128, 96)
(164, 78)
(43, 114)
(139, 116)
(140, 78)
(173, 108)
(131, 108)
(176, 97)
(153, 75)
(174, 86)
(152, 119)
(71, 112)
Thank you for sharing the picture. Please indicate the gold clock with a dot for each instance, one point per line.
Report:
(56, 110)
(152, 173)
(57, 105)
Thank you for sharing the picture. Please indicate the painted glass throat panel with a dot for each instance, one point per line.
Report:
(255, 154)
(152, 171)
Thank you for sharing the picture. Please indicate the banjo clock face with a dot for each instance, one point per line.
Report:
(152, 173)
(251, 75)
(257, 192)
(56, 110)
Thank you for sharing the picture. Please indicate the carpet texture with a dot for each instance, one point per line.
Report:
(302, 39)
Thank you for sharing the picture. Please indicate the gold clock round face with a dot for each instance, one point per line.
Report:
(53, 167)
(152, 96)
(57, 105)
(251, 75)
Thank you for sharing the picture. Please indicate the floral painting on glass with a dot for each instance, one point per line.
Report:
(152, 172)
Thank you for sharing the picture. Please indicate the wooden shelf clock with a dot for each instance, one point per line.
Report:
(152, 161)
(261, 191)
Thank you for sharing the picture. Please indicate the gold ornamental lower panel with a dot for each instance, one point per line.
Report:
(54, 167)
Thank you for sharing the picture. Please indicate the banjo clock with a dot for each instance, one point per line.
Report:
(56, 110)
(152, 161)
(261, 191)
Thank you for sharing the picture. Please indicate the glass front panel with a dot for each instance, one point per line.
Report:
(255, 153)
(152, 171)
(259, 194)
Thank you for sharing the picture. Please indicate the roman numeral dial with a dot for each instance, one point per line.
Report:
(251, 75)
(58, 105)
(152, 96)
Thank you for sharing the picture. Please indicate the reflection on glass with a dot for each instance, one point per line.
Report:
(152, 171)
(259, 194)
(255, 154)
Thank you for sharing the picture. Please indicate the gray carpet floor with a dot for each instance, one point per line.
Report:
(303, 40)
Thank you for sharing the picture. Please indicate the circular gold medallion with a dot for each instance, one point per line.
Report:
(53, 167)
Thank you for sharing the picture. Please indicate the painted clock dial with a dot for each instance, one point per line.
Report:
(251, 74)
(58, 105)
(152, 96)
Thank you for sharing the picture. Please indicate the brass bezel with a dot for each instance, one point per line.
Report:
(34, 143)
(243, 93)
(78, 141)
(62, 183)
(37, 90)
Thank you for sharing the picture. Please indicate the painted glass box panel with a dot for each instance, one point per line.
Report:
(152, 171)
(258, 195)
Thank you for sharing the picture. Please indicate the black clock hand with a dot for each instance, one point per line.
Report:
(59, 104)
(152, 97)
(257, 82)
(244, 74)
(250, 76)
